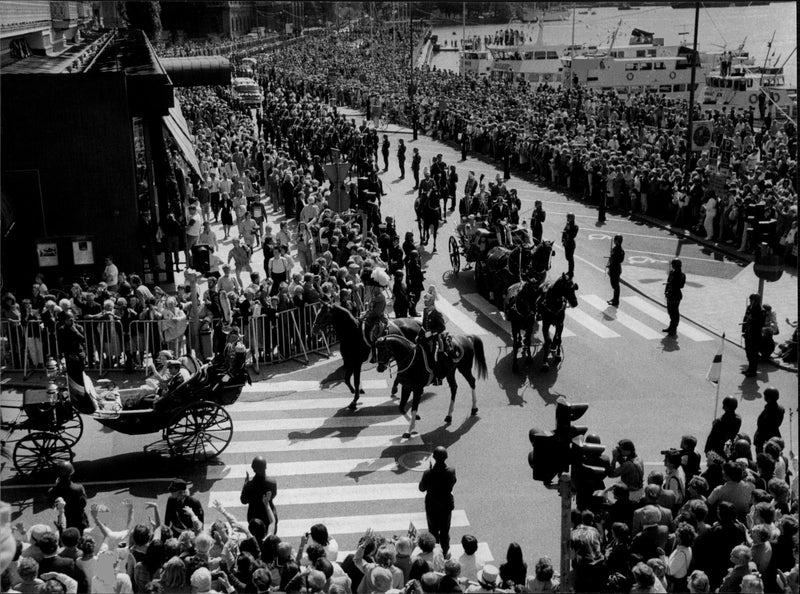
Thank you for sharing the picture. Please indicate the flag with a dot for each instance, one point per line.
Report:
(715, 371)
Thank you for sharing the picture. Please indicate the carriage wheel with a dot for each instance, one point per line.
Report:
(39, 452)
(72, 429)
(455, 254)
(199, 432)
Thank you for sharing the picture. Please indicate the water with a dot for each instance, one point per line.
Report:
(719, 27)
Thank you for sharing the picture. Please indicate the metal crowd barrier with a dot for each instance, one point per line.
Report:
(26, 347)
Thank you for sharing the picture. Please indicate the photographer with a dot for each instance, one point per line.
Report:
(626, 465)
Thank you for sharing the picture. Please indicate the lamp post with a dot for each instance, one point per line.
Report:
(411, 89)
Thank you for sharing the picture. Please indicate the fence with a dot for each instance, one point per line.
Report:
(109, 345)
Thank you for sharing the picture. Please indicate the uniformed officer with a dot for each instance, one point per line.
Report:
(614, 267)
(375, 318)
(437, 483)
(568, 236)
(430, 335)
(675, 282)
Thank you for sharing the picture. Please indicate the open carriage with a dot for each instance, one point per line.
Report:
(191, 417)
(497, 265)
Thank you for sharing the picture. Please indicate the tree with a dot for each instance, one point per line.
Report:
(144, 15)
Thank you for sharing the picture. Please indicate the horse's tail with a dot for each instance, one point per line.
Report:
(480, 357)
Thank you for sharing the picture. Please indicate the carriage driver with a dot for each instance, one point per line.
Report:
(375, 319)
(430, 335)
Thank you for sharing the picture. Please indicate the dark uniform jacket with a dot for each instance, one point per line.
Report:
(433, 320)
(252, 495)
(74, 497)
(615, 261)
(675, 282)
(568, 236)
(437, 483)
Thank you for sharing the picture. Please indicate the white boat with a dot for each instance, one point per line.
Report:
(645, 64)
(475, 62)
(746, 85)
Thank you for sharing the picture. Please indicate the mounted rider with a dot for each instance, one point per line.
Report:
(375, 320)
(430, 335)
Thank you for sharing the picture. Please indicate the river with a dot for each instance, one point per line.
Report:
(719, 27)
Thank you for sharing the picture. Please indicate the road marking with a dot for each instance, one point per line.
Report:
(460, 319)
(591, 324)
(671, 256)
(623, 318)
(307, 386)
(320, 423)
(456, 550)
(308, 404)
(329, 494)
(359, 524)
(656, 313)
(321, 443)
(351, 466)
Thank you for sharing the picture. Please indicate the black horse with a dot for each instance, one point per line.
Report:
(352, 343)
(520, 310)
(414, 370)
(429, 214)
(551, 309)
(507, 266)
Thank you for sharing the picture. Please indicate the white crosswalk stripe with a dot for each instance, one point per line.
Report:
(629, 322)
(595, 326)
(277, 469)
(321, 423)
(330, 494)
(320, 443)
(661, 315)
(308, 386)
(309, 404)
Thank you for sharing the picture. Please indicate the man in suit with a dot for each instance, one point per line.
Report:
(614, 268)
(653, 536)
(437, 483)
(73, 494)
(416, 161)
(258, 490)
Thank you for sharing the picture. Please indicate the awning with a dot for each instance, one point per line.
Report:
(198, 71)
(176, 125)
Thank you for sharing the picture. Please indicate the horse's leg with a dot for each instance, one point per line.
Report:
(546, 343)
(435, 234)
(515, 333)
(451, 381)
(414, 407)
(348, 373)
(527, 349)
(405, 391)
(394, 386)
(557, 341)
(465, 367)
(356, 388)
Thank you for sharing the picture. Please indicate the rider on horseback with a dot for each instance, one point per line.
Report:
(375, 319)
(430, 335)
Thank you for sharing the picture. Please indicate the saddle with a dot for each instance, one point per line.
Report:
(378, 329)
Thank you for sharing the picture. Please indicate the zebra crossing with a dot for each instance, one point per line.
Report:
(596, 318)
(342, 470)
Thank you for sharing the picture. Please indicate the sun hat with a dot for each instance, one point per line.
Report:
(381, 578)
(489, 575)
(201, 580)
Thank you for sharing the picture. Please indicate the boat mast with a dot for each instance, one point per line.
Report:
(463, 23)
(789, 56)
(766, 59)
(614, 37)
(695, 64)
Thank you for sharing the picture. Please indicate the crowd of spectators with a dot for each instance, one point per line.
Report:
(730, 526)
(627, 150)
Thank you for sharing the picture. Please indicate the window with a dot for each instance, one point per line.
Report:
(678, 88)
(646, 66)
(740, 85)
(665, 89)
(591, 79)
(631, 66)
(651, 53)
(539, 55)
(749, 82)
(552, 55)
(528, 56)
(640, 53)
(660, 66)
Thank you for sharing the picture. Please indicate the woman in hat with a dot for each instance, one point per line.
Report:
(488, 580)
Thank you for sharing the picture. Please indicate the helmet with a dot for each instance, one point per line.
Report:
(259, 464)
(440, 453)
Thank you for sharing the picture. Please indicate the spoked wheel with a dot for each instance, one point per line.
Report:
(455, 254)
(199, 431)
(72, 429)
(40, 451)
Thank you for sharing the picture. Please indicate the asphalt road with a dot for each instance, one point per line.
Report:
(353, 470)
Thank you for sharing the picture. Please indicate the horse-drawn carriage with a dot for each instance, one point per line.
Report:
(498, 264)
(191, 417)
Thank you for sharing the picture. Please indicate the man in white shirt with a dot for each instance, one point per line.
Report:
(194, 224)
(111, 274)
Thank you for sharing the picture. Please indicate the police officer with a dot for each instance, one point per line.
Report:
(437, 483)
(675, 282)
(568, 236)
(614, 268)
(433, 325)
(257, 491)
(538, 217)
(752, 325)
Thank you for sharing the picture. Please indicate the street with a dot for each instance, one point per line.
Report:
(353, 471)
